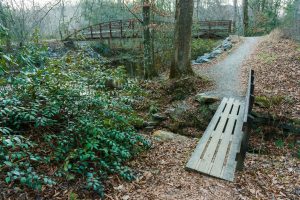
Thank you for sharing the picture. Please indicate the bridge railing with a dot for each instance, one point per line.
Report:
(132, 28)
(215, 27)
(114, 29)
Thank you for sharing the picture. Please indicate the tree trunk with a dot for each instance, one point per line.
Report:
(181, 64)
(245, 17)
(235, 15)
(149, 70)
(198, 9)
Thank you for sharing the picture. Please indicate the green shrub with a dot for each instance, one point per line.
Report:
(75, 114)
(202, 46)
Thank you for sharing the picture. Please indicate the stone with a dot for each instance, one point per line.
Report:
(159, 117)
(216, 52)
(207, 99)
(203, 59)
(149, 128)
(227, 44)
(166, 135)
(178, 110)
(151, 123)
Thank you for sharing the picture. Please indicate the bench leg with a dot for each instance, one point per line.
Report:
(244, 144)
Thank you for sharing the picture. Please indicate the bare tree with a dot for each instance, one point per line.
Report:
(181, 64)
(245, 17)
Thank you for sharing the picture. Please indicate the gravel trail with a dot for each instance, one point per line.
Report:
(227, 73)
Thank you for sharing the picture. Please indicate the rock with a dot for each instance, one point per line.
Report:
(177, 111)
(166, 135)
(216, 52)
(159, 117)
(228, 39)
(205, 58)
(227, 44)
(151, 123)
(149, 128)
(204, 98)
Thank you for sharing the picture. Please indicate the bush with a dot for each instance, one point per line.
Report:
(75, 115)
(202, 46)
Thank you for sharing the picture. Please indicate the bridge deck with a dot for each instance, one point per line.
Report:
(216, 151)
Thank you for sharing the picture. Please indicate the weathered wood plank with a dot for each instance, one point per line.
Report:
(201, 145)
(224, 140)
(229, 169)
(227, 138)
(205, 163)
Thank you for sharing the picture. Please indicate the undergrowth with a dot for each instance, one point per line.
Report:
(202, 46)
(65, 119)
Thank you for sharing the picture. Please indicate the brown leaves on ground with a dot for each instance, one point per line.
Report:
(162, 176)
(269, 177)
(277, 76)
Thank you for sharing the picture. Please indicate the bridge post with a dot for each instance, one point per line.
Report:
(91, 29)
(121, 27)
(100, 29)
(110, 33)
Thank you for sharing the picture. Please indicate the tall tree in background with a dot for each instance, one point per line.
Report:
(149, 70)
(235, 14)
(181, 64)
(245, 17)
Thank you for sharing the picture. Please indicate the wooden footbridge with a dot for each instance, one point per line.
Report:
(132, 28)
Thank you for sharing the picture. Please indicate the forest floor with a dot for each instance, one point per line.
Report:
(271, 172)
(272, 167)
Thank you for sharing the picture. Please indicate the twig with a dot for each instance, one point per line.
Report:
(141, 21)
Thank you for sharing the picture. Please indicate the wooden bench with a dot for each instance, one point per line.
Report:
(223, 146)
(215, 28)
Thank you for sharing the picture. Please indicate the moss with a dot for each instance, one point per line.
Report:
(267, 58)
(268, 102)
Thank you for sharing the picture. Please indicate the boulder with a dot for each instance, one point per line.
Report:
(205, 98)
(203, 59)
(159, 117)
(216, 52)
(166, 135)
(176, 112)
(227, 44)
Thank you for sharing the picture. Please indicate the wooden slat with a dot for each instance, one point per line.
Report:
(229, 169)
(226, 139)
(201, 145)
(204, 164)
(221, 148)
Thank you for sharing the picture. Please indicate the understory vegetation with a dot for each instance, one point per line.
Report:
(64, 119)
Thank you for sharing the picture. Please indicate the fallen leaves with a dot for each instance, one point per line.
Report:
(277, 74)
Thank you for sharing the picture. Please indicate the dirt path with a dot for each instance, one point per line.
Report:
(227, 73)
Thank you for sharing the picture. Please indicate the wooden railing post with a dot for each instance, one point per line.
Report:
(110, 32)
(91, 29)
(100, 29)
(121, 27)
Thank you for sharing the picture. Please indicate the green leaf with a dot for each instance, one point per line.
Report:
(8, 163)
(23, 180)
(7, 179)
